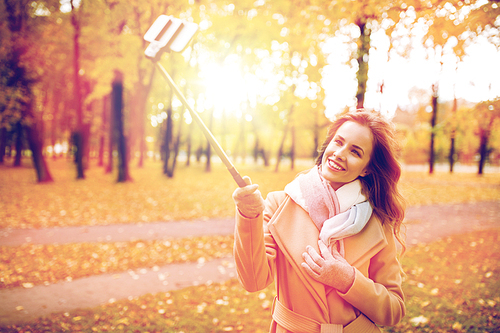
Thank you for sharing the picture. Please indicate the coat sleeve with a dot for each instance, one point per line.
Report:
(255, 248)
(380, 296)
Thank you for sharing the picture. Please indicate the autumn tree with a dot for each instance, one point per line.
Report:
(18, 101)
(487, 116)
(117, 109)
(368, 17)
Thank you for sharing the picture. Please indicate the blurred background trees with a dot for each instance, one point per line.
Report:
(265, 77)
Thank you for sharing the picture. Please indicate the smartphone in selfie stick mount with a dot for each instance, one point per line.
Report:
(171, 34)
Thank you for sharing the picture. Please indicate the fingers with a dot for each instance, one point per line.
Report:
(248, 199)
(314, 255)
(309, 270)
(247, 190)
(312, 260)
(325, 251)
(242, 192)
(329, 268)
(336, 255)
(310, 263)
(247, 180)
(250, 189)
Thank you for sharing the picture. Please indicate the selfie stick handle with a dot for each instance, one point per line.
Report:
(218, 149)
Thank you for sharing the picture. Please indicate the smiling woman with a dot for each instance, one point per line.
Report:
(328, 240)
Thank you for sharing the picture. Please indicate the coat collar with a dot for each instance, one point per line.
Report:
(293, 230)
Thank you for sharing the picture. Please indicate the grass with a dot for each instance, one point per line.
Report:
(437, 274)
(451, 286)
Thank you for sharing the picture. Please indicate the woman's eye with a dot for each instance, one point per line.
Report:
(355, 152)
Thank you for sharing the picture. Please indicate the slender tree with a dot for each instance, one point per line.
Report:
(117, 102)
(434, 103)
(453, 134)
(78, 136)
(487, 117)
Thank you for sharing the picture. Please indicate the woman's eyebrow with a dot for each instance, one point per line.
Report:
(359, 148)
(338, 136)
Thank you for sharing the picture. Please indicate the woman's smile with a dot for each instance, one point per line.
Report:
(334, 165)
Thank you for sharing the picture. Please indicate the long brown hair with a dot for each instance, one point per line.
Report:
(384, 169)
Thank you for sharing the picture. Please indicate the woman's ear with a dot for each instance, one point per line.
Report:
(364, 173)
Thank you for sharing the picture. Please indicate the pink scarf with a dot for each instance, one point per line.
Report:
(337, 214)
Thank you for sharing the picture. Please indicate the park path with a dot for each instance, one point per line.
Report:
(20, 305)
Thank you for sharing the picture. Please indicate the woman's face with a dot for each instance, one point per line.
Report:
(346, 157)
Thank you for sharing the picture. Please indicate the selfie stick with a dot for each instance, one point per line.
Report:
(174, 34)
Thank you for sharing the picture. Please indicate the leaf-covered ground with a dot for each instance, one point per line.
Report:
(451, 286)
(191, 193)
(30, 264)
(447, 282)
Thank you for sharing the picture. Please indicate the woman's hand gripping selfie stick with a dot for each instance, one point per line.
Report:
(218, 149)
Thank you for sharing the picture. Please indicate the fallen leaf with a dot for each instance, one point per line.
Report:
(420, 320)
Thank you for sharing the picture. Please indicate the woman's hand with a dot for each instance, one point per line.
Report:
(329, 268)
(249, 200)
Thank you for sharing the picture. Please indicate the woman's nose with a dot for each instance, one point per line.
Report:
(340, 153)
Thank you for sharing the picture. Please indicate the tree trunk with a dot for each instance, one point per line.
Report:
(315, 135)
(282, 144)
(451, 157)
(483, 151)
(433, 127)
(117, 102)
(241, 141)
(54, 123)
(36, 146)
(168, 141)
(77, 94)
(34, 136)
(177, 144)
(86, 137)
(292, 149)
(189, 144)
(3, 138)
(208, 166)
(19, 144)
(265, 157)
(256, 148)
(362, 59)
(78, 146)
(111, 132)
(103, 130)
(142, 146)
(280, 150)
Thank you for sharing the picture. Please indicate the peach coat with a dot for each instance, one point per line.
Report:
(270, 248)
